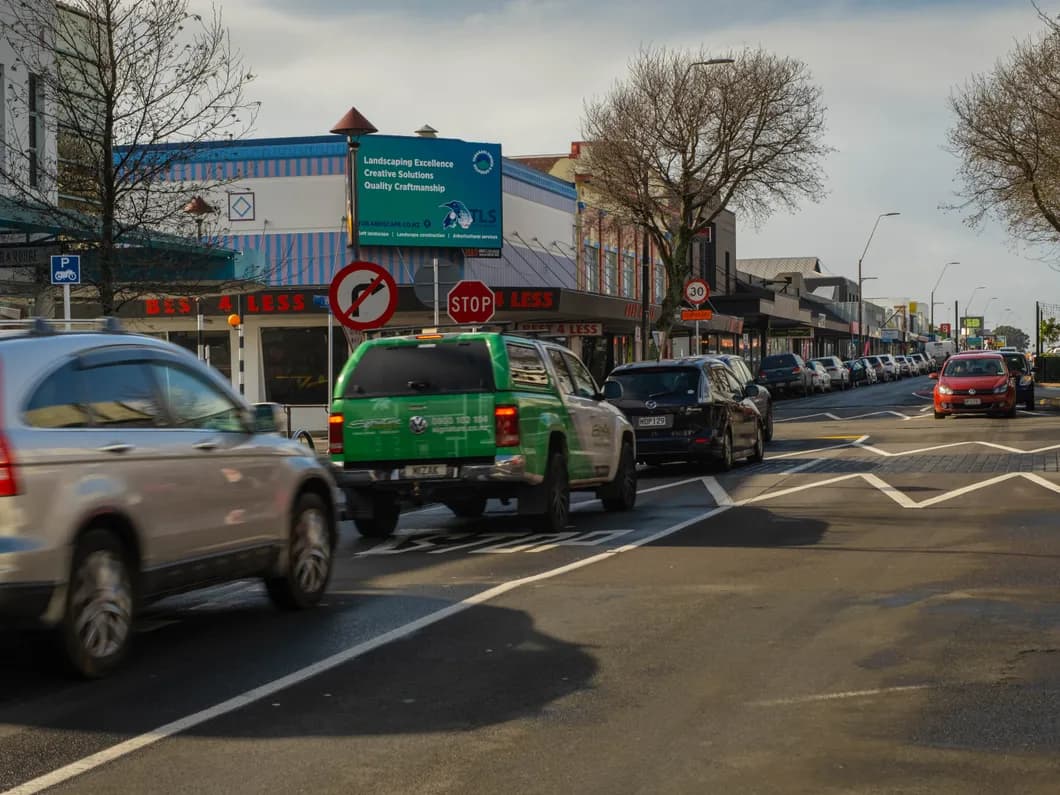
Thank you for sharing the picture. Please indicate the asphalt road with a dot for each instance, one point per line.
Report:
(874, 608)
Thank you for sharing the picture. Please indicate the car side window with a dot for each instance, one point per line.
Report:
(563, 379)
(719, 383)
(58, 402)
(584, 385)
(741, 371)
(194, 403)
(122, 395)
(526, 366)
(735, 385)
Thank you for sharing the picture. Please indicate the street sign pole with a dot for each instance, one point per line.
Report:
(436, 300)
(66, 305)
(331, 357)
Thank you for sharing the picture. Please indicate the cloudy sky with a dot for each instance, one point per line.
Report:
(517, 72)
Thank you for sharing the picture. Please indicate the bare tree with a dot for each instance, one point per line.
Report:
(1007, 135)
(677, 142)
(130, 91)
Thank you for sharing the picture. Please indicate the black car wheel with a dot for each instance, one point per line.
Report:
(758, 451)
(940, 415)
(557, 494)
(310, 552)
(384, 519)
(726, 459)
(769, 424)
(621, 493)
(97, 627)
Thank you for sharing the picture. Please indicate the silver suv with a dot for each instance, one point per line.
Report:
(130, 471)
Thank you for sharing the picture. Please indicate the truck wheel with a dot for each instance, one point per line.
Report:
(470, 508)
(621, 493)
(310, 552)
(384, 519)
(97, 627)
(557, 494)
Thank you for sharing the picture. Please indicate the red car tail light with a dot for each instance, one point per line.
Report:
(335, 440)
(506, 426)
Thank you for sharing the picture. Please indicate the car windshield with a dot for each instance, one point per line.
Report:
(973, 368)
(661, 384)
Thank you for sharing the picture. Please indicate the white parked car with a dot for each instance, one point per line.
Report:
(822, 381)
(837, 371)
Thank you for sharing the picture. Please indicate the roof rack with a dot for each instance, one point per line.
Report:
(42, 326)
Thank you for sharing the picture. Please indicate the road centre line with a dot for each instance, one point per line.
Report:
(253, 695)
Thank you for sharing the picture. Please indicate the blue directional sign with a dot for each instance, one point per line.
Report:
(320, 301)
(66, 269)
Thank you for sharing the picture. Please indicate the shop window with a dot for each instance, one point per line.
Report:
(219, 344)
(629, 274)
(610, 272)
(296, 364)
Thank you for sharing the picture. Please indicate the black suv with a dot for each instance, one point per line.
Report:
(688, 410)
(786, 371)
(1022, 372)
(762, 397)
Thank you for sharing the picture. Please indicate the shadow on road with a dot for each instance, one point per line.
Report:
(750, 527)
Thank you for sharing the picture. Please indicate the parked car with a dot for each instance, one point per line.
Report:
(786, 372)
(905, 367)
(860, 374)
(975, 381)
(890, 365)
(131, 471)
(689, 410)
(837, 372)
(762, 397)
(1019, 367)
(822, 381)
(878, 367)
(460, 418)
(870, 370)
(927, 364)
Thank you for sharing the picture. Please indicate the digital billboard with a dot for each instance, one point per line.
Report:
(438, 192)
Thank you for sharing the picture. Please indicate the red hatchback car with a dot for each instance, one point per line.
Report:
(975, 381)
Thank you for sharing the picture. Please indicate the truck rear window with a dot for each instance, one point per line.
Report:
(435, 368)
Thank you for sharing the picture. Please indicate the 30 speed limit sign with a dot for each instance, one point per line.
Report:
(697, 291)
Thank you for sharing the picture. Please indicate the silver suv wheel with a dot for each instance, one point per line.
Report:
(311, 549)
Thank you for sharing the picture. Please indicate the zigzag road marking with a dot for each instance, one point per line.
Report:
(1003, 447)
(724, 499)
(832, 416)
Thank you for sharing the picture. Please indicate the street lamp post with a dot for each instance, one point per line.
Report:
(937, 282)
(861, 302)
(353, 125)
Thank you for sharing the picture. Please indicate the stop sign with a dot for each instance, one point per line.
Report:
(471, 302)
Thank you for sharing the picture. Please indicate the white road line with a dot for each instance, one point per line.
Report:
(879, 691)
(717, 491)
(858, 441)
(832, 416)
(142, 741)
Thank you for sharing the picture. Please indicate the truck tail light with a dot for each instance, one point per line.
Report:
(335, 441)
(506, 426)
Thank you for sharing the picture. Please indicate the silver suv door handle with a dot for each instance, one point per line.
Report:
(117, 447)
(209, 444)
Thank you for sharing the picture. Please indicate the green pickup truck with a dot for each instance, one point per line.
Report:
(464, 417)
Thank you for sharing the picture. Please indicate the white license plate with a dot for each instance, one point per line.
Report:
(972, 401)
(426, 471)
(653, 422)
